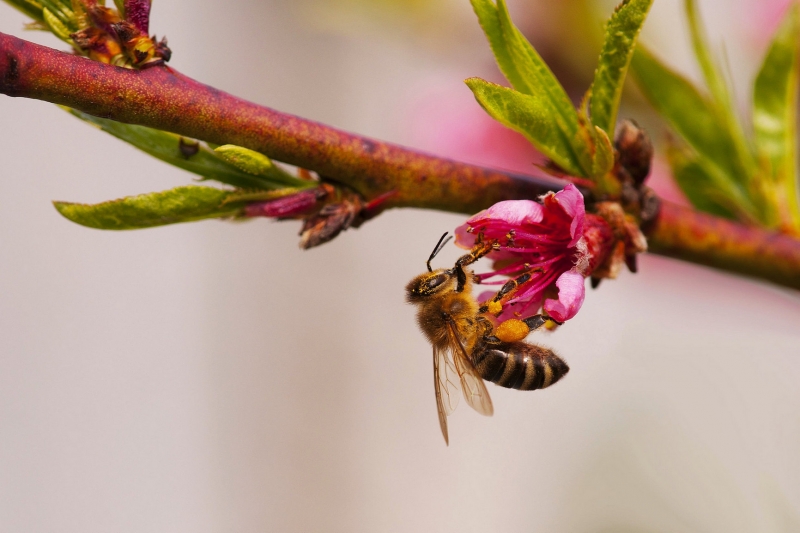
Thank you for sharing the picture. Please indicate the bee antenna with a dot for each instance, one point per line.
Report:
(439, 245)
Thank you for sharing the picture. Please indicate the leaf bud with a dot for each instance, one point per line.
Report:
(635, 150)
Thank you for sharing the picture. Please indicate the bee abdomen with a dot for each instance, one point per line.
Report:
(519, 365)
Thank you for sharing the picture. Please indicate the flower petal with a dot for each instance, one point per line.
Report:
(547, 242)
(571, 292)
(507, 212)
(571, 201)
(514, 212)
(525, 309)
(485, 296)
(464, 239)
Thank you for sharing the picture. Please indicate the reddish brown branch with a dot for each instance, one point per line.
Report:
(686, 234)
(161, 98)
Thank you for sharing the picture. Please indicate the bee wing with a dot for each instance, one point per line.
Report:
(447, 380)
(471, 383)
(446, 385)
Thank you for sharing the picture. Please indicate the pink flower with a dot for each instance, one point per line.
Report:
(544, 239)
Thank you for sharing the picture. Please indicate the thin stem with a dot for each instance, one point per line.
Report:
(161, 98)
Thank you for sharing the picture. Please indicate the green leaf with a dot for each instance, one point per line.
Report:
(244, 159)
(604, 154)
(535, 76)
(182, 204)
(190, 155)
(32, 8)
(721, 95)
(59, 11)
(489, 19)
(621, 32)
(243, 196)
(56, 26)
(529, 74)
(697, 184)
(586, 138)
(254, 163)
(711, 71)
(529, 115)
(697, 119)
(775, 111)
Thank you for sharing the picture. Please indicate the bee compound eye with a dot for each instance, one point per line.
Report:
(435, 281)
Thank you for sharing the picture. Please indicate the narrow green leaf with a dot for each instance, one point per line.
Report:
(529, 115)
(535, 75)
(601, 150)
(711, 71)
(519, 62)
(254, 163)
(697, 119)
(32, 8)
(585, 140)
(189, 155)
(529, 74)
(489, 19)
(538, 80)
(697, 184)
(182, 204)
(721, 95)
(56, 26)
(243, 196)
(63, 13)
(621, 33)
(775, 111)
(604, 154)
(244, 159)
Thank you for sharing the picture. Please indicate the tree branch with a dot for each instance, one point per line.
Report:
(160, 97)
(689, 235)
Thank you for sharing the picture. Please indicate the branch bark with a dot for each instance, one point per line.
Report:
(689, 235)
(160, 97)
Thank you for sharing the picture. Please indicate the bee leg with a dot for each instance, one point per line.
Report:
(511, 286)
(484, 327)
(480, 249)
(506, 292)
(535, 322)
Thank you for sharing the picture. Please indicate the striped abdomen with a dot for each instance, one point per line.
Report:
(518, 365)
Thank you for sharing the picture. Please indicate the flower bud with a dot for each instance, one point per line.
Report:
(599, 239)
(635, 150)
(137, 12)
(289, 206)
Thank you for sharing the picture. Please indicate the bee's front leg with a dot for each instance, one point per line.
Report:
(480, 249)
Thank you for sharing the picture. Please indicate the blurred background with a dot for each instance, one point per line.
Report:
(213, 377)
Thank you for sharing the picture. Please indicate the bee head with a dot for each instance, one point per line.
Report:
(433, 281)
(430, 283)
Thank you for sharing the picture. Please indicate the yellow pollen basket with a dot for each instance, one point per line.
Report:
(512, 330)
(495, 308)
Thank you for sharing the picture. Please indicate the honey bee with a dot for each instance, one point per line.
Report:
(467, 346)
